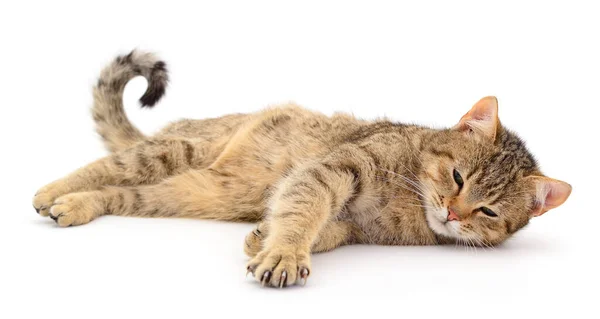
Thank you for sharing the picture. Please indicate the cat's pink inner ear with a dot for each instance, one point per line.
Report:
(550, 193)
(482, 118)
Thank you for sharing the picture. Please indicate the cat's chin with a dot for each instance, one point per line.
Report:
(436, 219)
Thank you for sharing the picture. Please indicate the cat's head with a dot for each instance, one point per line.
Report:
(480, 183)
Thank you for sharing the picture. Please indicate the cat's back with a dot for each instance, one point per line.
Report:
(209, 127)
(290, 133)
(287, 122)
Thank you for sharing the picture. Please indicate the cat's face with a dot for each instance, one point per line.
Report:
(479, 182)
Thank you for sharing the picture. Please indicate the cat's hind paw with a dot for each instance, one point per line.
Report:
(76, 209)
(45, 197)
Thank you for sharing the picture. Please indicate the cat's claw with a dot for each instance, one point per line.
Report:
(250, 270)
(265, 278)
(303, 275)
(283, 279)
(55, 218)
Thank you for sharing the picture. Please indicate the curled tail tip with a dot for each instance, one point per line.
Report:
(157, 84)
(116, 75)
(112, 123)
(155, 71)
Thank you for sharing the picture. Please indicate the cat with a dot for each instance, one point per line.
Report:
(311, 182)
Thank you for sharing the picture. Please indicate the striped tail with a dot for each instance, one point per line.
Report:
(112, 123)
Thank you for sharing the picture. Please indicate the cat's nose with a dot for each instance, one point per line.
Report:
(452, 215)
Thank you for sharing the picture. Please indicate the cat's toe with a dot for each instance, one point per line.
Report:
(44, 198)
(74, 209)
(42, 203)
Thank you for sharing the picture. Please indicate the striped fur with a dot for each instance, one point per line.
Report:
(108, 113)
(311, 182)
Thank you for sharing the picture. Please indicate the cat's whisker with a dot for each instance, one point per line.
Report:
(472, 245)
(406, 179)
(409, 170)
(410, 189)
(482, 243)
(491, 247)
(423, 206)
(391, 197)
(415, 184)
(433, 190)
(394, 182)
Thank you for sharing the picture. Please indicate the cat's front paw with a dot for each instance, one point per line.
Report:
(281, 266)
(76, 209)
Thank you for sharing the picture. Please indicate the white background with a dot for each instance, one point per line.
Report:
(425, 63)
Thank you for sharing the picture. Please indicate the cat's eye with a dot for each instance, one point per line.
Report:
(488, 212)
(458, 179)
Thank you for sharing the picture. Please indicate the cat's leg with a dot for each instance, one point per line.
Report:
(146, 163)
(302, 207)
(334, 234)
(196, 193)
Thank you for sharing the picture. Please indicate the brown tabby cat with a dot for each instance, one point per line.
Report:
(312, 182)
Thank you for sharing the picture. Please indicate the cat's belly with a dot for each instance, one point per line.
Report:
(383, 226)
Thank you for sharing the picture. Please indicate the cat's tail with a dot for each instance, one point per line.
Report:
(111, 121)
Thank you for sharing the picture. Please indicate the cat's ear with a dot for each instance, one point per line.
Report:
(549, 193)
(482, 119)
